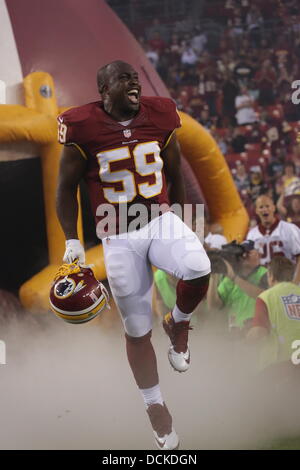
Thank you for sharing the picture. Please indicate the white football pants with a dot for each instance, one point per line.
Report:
(167, 243)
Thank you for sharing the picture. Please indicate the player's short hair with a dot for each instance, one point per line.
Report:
(103, 73)
(102, 77)
(282, 269)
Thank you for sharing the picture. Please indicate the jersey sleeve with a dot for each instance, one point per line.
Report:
(69, 130)
(64, 130)
(294, 239)
(163, 113)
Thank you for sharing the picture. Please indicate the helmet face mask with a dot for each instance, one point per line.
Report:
(76, 296)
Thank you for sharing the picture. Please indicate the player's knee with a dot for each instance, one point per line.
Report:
(139, 339)
(197, 265)
(138, 325)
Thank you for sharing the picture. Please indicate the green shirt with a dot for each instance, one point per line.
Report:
(241, 306)
(283, 304)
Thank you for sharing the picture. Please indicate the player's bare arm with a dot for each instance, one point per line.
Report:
(72, 167)
(172, 167)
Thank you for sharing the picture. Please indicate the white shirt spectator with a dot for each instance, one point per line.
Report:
(189, 56)
(245, 112)
(283, 238)
(198, 42)
(153, 57)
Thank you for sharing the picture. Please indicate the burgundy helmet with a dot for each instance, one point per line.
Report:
(76, 296)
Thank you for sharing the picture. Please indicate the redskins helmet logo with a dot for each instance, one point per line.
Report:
(64, 288)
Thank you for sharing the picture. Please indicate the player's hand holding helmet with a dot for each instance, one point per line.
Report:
(74, 250)
(76, 295)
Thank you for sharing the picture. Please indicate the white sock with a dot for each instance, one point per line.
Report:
(152, 395)
(178, 315)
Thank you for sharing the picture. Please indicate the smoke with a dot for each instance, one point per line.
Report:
(70, 387)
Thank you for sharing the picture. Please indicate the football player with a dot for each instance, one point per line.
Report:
(275, 237)
(125, 147)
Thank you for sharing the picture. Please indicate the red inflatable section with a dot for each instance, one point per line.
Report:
(71, 39)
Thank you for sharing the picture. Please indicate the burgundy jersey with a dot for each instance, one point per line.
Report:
(124, 165)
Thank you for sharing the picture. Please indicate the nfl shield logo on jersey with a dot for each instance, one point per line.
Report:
(292, 306)
(127, 133)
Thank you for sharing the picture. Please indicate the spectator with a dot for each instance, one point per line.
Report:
(257, 184)
(156, 43)
(273, 237)
(239, 140)
(243, 71)
(265, 78)
(275, 168)
(289, 208)
(244, 106)
(222, 144)
(281, 52)
(238, 289)
(157, 27)
(237, 29)
(229, 91)
(253, 90)
(189, 77)
(254, 22)
(199, 40)
(277, 314)
(241, 178)
(188, 56)
(205, 118)
(208, 88)
(284, 80)
(175, 48)
(290, 182)
(151, 55)
(196, 103)
(215, 237)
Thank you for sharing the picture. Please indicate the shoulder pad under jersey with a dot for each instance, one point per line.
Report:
(72, 124)
(162, 112)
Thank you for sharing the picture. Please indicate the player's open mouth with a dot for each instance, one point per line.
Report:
(265, 214)
(133, 95)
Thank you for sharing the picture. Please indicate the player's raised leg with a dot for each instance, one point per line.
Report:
(130, 279)
(177, 250)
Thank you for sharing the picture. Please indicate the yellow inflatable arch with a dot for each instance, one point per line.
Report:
(36, 122)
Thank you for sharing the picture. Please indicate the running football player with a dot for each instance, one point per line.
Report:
(125, 147)
(275, 237)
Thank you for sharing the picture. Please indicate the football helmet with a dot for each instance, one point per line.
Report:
(76, 295)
